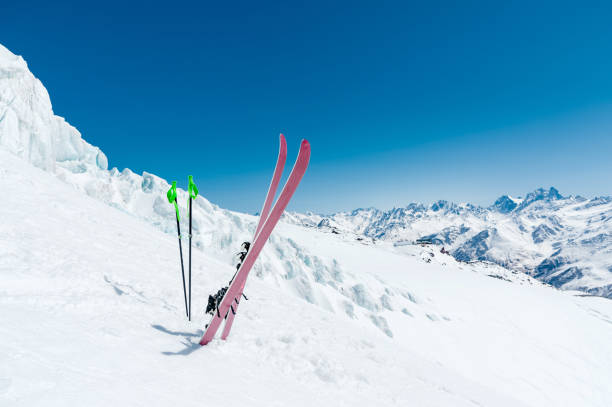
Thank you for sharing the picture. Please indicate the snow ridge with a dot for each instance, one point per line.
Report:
(28, 127)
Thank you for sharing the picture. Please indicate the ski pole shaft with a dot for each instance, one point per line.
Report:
(193, 193)
(190, 258)
(178, 228)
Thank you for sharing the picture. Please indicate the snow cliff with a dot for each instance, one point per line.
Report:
(28, 127)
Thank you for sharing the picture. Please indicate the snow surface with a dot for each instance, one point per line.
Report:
(92, 314)
(92, 310)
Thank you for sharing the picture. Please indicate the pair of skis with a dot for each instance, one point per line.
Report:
(172, 198)
(267, 221)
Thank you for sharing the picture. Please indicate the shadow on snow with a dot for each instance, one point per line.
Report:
(188, 340)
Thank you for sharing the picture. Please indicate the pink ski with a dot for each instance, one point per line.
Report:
(235, 289)
(278, 172)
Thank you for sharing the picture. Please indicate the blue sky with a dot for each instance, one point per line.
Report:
(401, 102)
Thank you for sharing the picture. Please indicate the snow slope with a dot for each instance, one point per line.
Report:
(92, 308)
(92, 314)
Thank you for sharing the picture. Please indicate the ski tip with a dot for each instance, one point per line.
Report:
(304, 154)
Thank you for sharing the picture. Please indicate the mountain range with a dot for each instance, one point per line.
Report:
(565, 241)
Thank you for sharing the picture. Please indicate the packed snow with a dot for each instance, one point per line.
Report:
(93, 314)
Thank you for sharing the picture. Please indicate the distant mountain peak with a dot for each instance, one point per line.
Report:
(439, 205)
(541, 194)
(506, 204)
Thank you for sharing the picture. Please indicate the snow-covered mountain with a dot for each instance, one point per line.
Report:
(92, 309)
(562, 240)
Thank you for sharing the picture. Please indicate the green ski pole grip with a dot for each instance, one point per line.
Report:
(192, 189)
(171, 194)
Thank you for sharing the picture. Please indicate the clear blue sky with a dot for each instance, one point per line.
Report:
(401, 102)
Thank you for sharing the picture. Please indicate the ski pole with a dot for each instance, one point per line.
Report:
(193, 193)
(172, 199)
